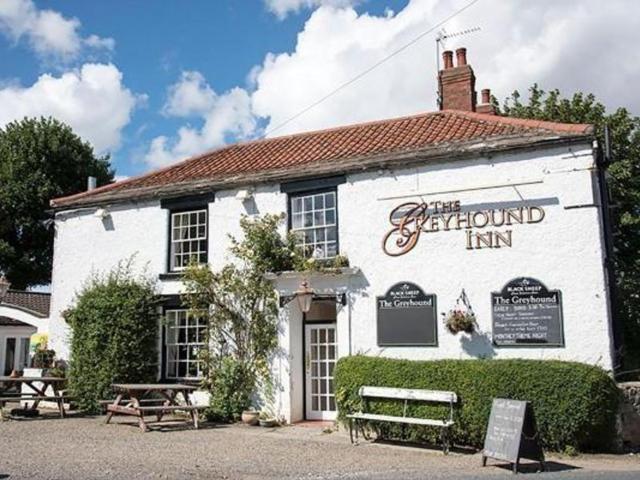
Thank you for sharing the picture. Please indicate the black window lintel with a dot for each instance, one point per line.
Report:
(312, 184)
(194, 202)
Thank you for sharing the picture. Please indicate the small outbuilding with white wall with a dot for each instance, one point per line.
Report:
(21, 315)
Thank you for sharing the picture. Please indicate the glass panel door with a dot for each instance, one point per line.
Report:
(320, 360)
(9, 356)
(24, 353)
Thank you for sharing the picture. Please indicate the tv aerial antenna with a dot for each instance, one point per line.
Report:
(441, 39)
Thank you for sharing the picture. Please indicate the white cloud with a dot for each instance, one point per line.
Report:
(569, 45)
(574, 46)
(97, 42)
(282, 8)
(92, 100)
(222, 116)
(48, 32)
(190, 95)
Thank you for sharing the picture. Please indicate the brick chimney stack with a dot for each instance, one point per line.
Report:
(457, 85)
(485, 106)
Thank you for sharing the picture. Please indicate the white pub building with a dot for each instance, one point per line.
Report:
(456, 207)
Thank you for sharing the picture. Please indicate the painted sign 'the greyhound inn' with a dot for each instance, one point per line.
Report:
(494, 210)
(411, 219)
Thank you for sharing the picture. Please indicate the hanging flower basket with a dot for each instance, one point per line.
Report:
(458, 321)
(461, 318)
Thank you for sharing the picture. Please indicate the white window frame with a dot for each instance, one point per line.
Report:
(173, 241)
(200, 343)
(299, 216)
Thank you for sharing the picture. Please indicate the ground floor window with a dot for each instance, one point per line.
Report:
(185, 336)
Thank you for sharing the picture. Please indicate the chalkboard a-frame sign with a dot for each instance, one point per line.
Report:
(406, 317)
(512, 434)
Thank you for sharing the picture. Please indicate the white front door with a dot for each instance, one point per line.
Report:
(321, 353)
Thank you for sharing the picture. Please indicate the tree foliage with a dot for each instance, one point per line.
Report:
(114, 334)
(242, 313)
(40, 159)
(624, 187)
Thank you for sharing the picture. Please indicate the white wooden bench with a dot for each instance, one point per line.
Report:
(407, 395)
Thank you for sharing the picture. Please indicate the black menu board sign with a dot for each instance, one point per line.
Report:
(406, 317)
(525, 312)
(512, 433)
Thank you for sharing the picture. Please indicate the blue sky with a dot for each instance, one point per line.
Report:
(152, 82)
(156, 41)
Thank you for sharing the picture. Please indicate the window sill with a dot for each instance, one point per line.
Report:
(171, 276)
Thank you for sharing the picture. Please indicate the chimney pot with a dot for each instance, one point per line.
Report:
(92, 183)
(461, 57)
(486, 95)
(447, 57)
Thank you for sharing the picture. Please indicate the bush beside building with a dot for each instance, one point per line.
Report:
(114, 327)
(575, 404)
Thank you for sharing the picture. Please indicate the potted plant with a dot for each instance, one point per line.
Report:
(59, 369)
(267, 418)
(43, 358)
(250, 417)
(461, 318)
(460, 321)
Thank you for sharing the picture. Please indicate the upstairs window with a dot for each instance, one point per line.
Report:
(188, 239)
(314, 222)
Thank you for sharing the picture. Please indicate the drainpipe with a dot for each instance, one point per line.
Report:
(603, 160)
(348, 297)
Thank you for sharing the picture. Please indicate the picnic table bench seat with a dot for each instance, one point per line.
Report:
(158, 408)
(140, 400)
(132, 399)
(38, 387)
(28, 398)
(406, 395)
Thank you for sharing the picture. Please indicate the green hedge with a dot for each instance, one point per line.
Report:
(575, 404)
(114, 332)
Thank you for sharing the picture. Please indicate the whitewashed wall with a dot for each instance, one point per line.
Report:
(85, 245)
(565, 252)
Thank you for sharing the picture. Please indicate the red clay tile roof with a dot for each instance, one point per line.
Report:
(36, 302)
(304, 150)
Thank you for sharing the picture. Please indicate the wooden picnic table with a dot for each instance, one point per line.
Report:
(133, 399)
(38, 385)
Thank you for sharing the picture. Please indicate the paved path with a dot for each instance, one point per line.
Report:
(84, 448)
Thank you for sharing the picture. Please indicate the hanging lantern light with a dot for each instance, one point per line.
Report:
(304, 294)
(4, 287)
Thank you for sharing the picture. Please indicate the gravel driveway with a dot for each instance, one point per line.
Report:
(85, 448)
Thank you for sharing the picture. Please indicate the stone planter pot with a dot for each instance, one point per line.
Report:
(268, 423)
(250, 417)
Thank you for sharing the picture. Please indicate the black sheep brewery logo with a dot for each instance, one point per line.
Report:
(485, 228)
